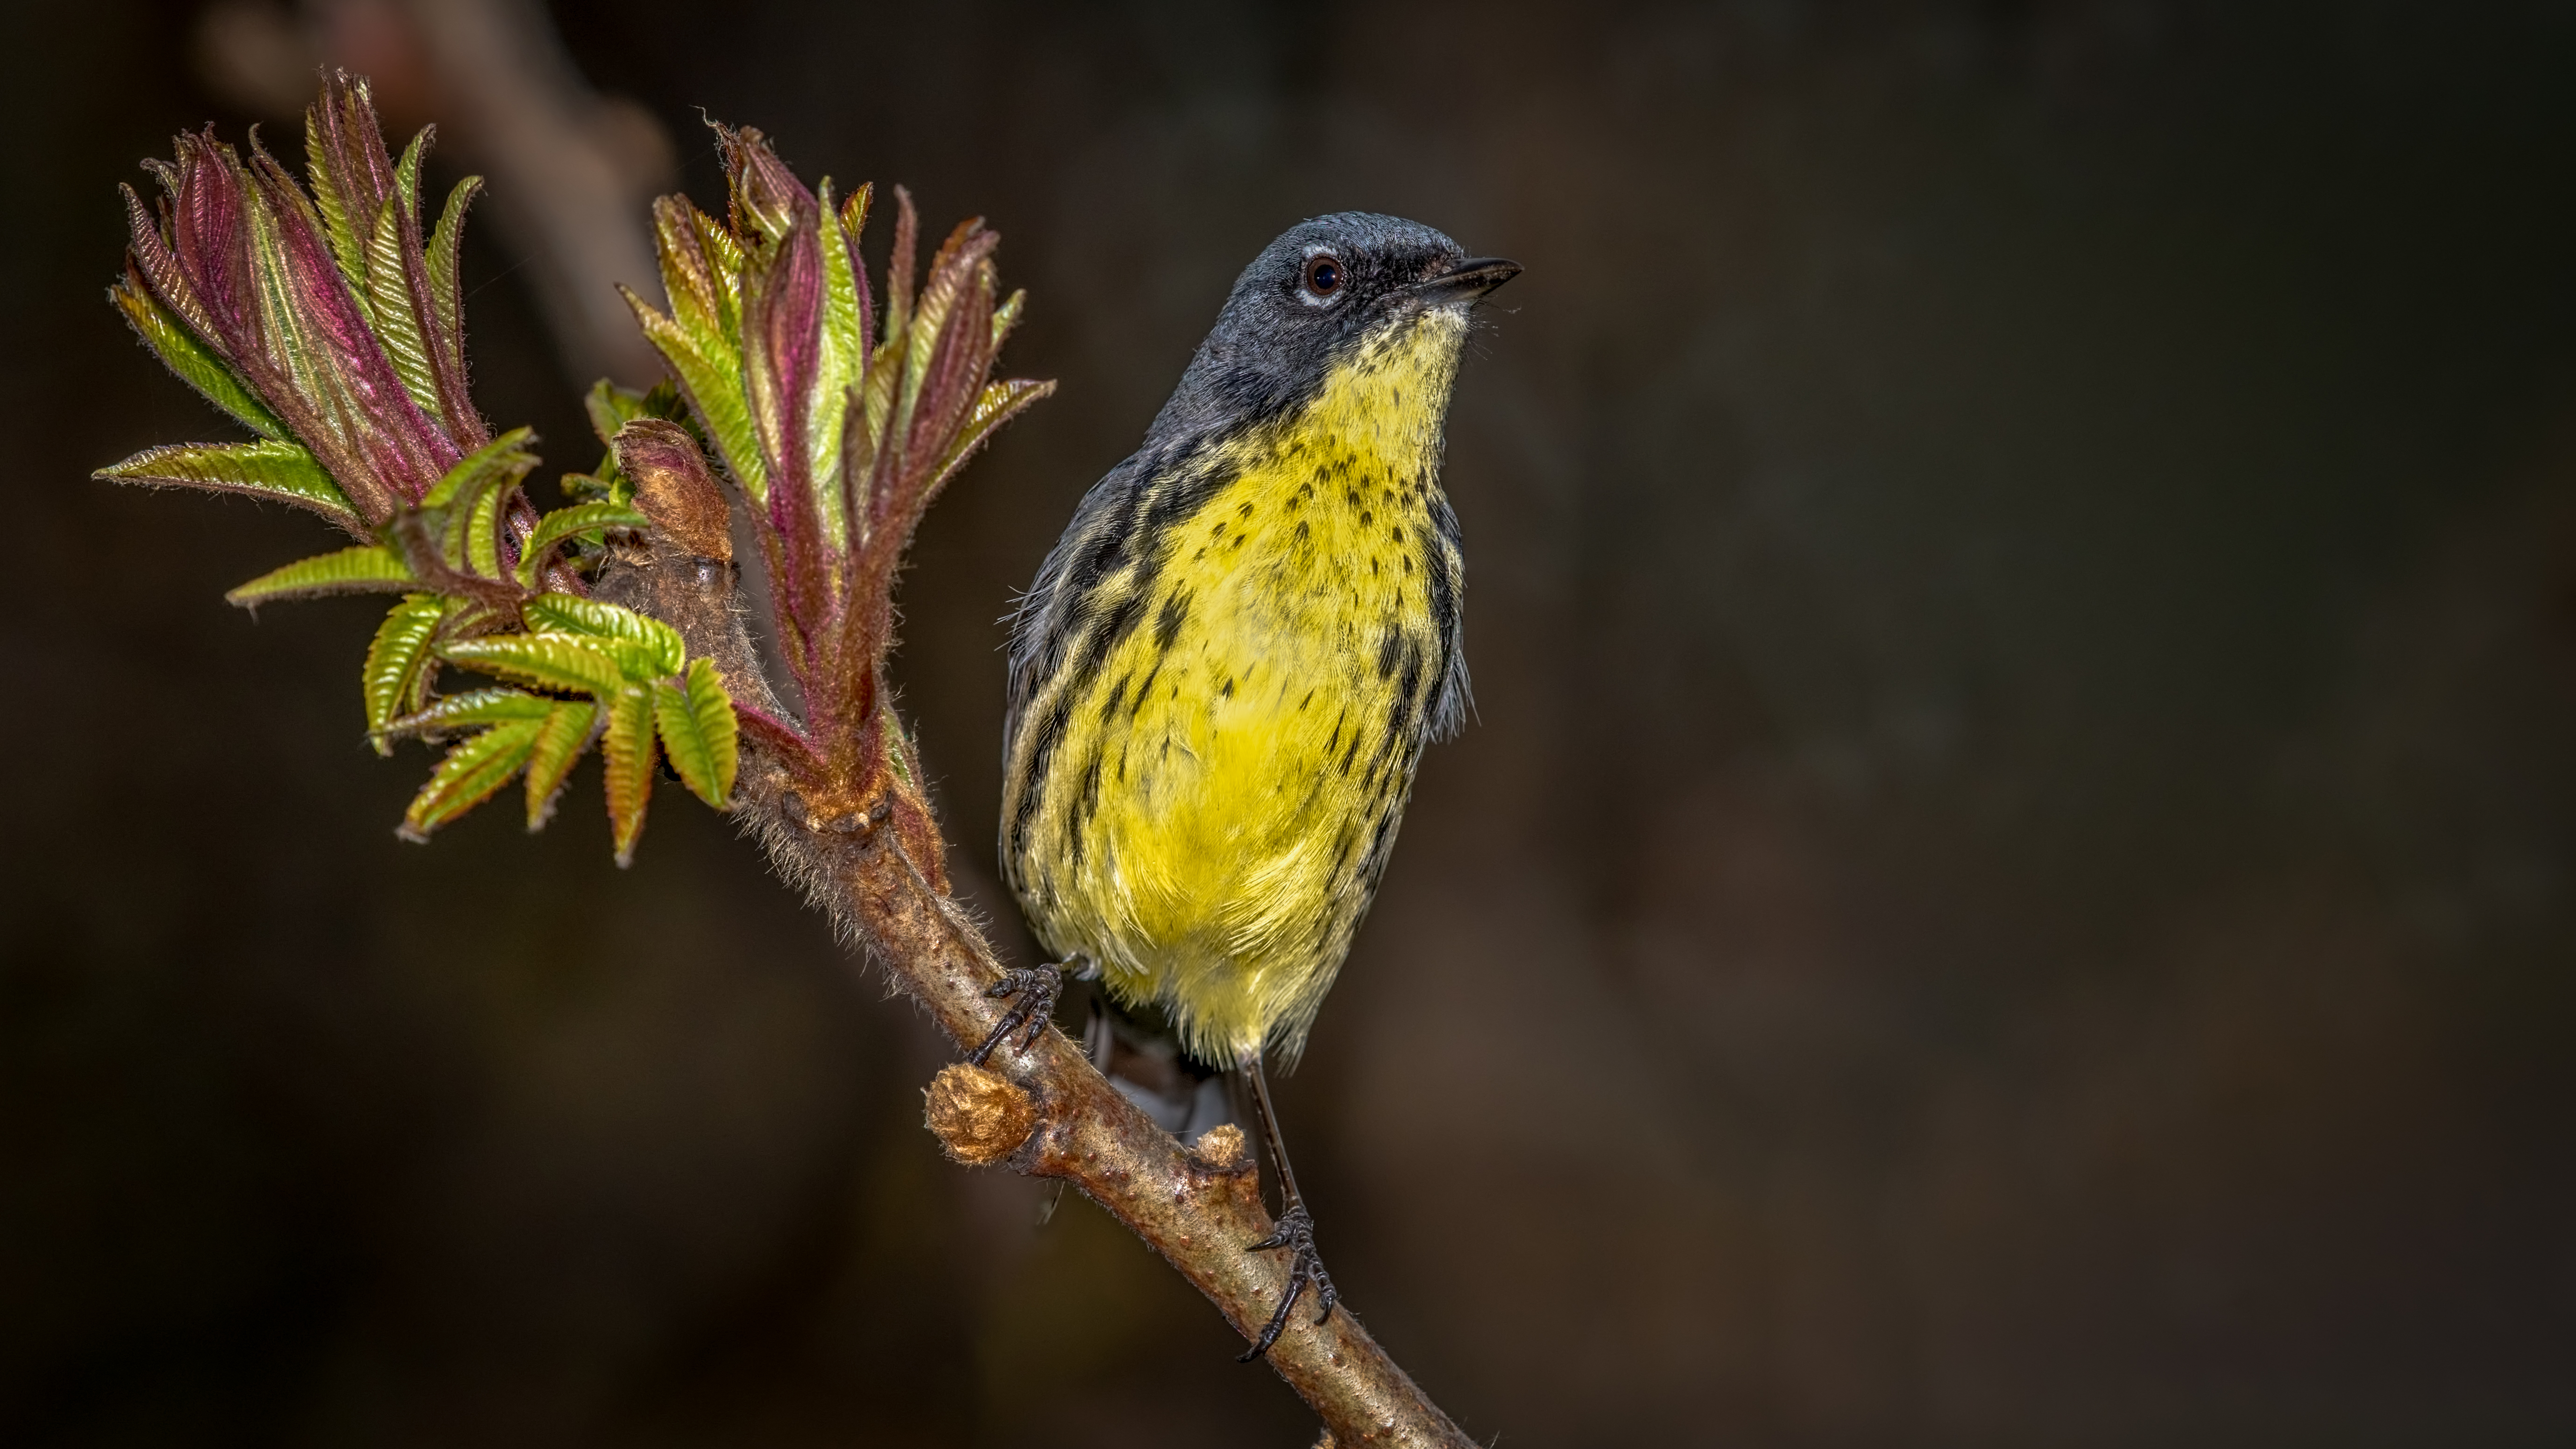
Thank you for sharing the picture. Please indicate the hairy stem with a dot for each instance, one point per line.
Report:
(1198, 1212)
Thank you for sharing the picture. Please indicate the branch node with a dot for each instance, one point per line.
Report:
(1221, 1149)
(981, 1117)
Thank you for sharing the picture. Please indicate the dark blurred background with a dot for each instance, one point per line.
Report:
(2011, 884)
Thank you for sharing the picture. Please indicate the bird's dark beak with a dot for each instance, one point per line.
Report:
(1467, 281)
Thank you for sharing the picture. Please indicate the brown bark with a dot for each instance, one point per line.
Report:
(1199, 1210)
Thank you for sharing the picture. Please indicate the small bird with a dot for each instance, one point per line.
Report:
(1226, 671)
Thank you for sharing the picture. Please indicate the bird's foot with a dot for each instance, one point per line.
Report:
(1296, 1233)
(1037, 988)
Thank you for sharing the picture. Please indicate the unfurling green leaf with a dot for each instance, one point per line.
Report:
(629, 749)
(711, 374)
(612, 407)
(549, 661)
(446, 297)
(268, 469)
(560, 741)
(469, 775)
(396, 676)
(473, 494)
(695, 717)
(473, 707)
(386, 288)
(197, 365)
(653, 649)
(582, 520)
(483, 533)
(997, 404)
(365, 569)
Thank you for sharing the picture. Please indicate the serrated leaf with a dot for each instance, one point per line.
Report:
(657, 652)
(472, 495)
(470, 774)
(566, 733)
(712, 379)
(483, 533)
(196, 364)
(563, 525)
(629, 752)
(997, 404)
(395, 677)
(369, 568)
(549, 661)
(278, 471)
(473, 707)
(387, 289)
(1006, 318)
(446, 298)
(695, 717)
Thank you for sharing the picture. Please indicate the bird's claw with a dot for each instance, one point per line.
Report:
(1295, 1232)
(1037, 988)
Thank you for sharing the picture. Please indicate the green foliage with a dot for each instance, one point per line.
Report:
(368, 568)
(397, 673)
(644, 648)
(629, 753)
(195, 362)
(472, 772)
(319, 316)
(547, 661)
(581, 523)
(632, 672)
(278, 471)
(324, 323)
(698, 732)
(566, 734)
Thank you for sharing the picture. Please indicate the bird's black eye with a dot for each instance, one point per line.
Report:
(1323, 274)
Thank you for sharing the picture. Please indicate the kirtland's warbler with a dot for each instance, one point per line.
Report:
(1228, 667)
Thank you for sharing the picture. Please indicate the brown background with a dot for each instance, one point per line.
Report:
(2012, 883)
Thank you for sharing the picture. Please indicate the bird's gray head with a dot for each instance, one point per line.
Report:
(1314, 294)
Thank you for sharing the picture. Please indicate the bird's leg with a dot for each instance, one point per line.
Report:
(1295, 1228)
(1037, 988)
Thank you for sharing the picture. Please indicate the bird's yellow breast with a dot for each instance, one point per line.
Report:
(1227, 776)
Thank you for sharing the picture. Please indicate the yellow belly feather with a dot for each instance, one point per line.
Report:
(1228, 778)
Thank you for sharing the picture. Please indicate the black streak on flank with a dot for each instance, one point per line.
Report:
(1226, 690)
(1388, 651)
(1167, 624)
(1085, 806)
(1115, 625)
(1115, 696)
(1050, 733)
(1402, 715)
(1380, 848)
(1143, 691)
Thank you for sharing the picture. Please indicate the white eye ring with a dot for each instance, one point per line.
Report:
(1320, 283)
